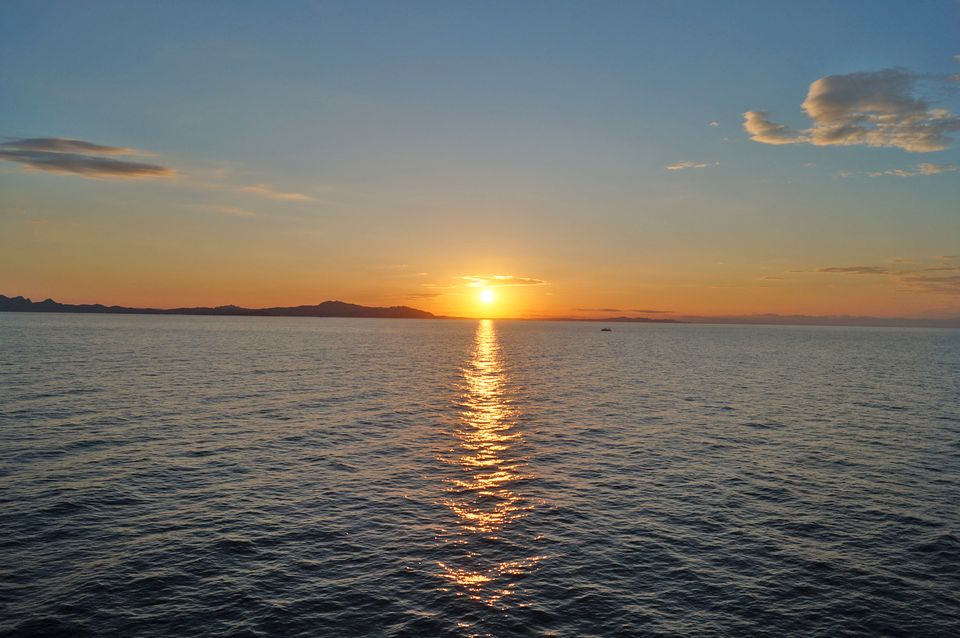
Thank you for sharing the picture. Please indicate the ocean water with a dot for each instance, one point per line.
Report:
(200, 476)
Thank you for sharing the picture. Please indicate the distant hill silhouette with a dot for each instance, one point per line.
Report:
(324, 309)
(344, 309)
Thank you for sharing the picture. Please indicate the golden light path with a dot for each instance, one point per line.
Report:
(483, 498)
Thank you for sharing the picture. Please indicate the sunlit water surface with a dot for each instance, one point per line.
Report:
(181, 476)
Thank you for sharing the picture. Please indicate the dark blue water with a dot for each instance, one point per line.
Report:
(178, 476)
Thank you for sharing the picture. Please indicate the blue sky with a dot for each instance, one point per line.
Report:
(455, 139)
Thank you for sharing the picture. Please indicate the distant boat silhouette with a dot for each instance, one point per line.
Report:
(606, 329)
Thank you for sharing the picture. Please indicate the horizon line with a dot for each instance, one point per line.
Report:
(664, 318)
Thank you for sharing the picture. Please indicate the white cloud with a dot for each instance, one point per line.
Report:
(761, 129)
(266, 191)
(685, 164)
(868, 108)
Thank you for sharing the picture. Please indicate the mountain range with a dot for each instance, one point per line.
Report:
(324, 309)
(344, 309)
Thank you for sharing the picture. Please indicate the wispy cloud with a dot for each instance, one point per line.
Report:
(856, 270)
(714, 124)
(64, 145)
(263, 190)
(597, 310)
(500, 280)
(868, 108)
(930, 279)
(949, 285)
(919, 169)
(484, 281)
(684, 165)
(78, 157)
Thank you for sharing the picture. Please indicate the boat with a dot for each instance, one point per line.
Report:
(606, 329)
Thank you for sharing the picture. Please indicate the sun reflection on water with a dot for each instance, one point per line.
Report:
(484, 497)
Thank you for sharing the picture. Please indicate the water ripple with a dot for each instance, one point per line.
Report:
(283, 477)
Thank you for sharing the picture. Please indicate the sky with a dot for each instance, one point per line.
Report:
(522, 159)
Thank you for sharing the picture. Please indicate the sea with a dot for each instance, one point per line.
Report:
(261, 477)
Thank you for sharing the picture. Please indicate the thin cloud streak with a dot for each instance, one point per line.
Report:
(501, 280)
(856, 270)
(916, 280)
(264, 190)
(949, 285)
(78, 157)
(918, 170)
(684, 165)
(65, 145)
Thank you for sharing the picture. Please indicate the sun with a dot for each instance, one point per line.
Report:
(486, 296)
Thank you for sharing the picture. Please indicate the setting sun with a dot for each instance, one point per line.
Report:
(486, 296)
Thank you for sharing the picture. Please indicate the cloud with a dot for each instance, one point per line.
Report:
(266, 191)
(761, 129)
(650, 312)
(867, 108)
(64, 145)
(500, 280)
(597, 310)
(936, 169)
(78, 157)
(931, 279)
(714, 124)
(856, 270)
(949, 285)
(919, 169)
(683, 165)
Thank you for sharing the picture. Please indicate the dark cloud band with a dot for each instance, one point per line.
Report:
(78, 157)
